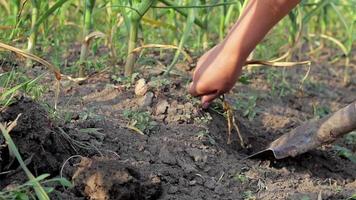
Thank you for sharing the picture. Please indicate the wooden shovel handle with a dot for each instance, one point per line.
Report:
(337, 124)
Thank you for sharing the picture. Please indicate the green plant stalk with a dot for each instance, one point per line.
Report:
(229, 15)
(293, 28)
(205, 39)
(49, 12)
(6, 7)
(242, 7)
(131, 57)
(112, 22)
(187, 30)
(134, 19)
(109, 15)
(173, 18)
(87, 27)
(204, 30)
(349, 42)
(40, 192)
(16, 21)
(222, 22)
(15, 5)
(8, 94)
(181, 11)
(320, 5)
(46, 27)
(32, 39)
(63, 15)
(23, 191)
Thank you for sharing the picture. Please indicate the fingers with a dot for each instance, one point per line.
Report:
(207, 99)
(192, 90)
(200, 90)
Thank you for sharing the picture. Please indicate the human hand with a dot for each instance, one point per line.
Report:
(218, 69)
(216, 73)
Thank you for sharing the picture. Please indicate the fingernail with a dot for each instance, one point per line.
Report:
(189, 86)
(205, 105)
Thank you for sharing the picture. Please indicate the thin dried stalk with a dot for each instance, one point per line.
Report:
(276, 64)
(27, 55)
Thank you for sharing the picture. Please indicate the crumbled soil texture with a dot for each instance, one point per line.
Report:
(42, 149)
(183, 153)
(102, 178)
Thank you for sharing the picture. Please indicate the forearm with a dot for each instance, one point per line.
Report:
(256, 21)
(218, 69)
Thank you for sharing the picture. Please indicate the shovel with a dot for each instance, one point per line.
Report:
(312, 134)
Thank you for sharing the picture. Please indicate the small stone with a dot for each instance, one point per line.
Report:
(199, 180)
(180, 107)
(141, 87)
(146, 100)
(166, 156)
(219, 189)
(99, 136)
(210, 184)
(188, 106)
(172, 190)
(160, 117)
(197, 155)
(186, 166)
(162, 107)
(175, 118)
(285, 171)
(172, 110)
(155, 179)
(95, 142)
(207, 169)
(185, 190)
(180, 112)
(196, 192)
(192, 182)
(182, 181)
(83, 136)
(141, 148)
(174, 103)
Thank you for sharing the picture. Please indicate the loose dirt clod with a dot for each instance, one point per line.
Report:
(141, 87)
(39, 145)
(145, 100)
(162, 107)
(103, 179)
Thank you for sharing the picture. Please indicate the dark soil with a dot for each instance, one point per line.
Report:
(184, 155)
(101, 178)
(39, 145)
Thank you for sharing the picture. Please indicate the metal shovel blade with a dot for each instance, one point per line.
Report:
(312, 134)
(298, 141)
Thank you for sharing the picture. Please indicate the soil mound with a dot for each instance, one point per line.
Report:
(42, 149)
(101, 178)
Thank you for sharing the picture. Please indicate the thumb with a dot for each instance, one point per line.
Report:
(192, 90)
(207, 99)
